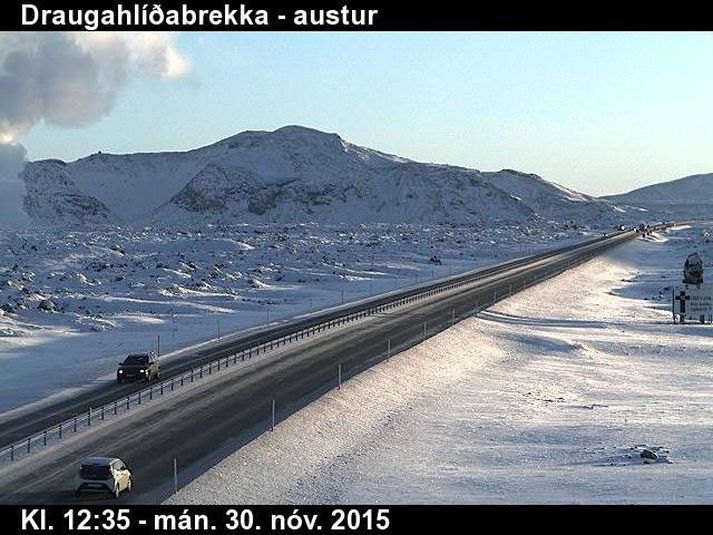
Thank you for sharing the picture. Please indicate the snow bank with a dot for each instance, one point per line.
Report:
(552, 396)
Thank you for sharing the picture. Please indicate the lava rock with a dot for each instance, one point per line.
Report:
(47, 305)
(648, 454)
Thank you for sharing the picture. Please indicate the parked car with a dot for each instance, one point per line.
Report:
(139, 366)
(104, 475)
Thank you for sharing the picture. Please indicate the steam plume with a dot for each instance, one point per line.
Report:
(68, 79)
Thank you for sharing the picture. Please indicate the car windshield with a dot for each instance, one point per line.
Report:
(95, 471)
(136, 359)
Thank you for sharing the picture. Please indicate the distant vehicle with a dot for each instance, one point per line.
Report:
(103, 474)
(139, 366)
(622, 227)
(643, 227)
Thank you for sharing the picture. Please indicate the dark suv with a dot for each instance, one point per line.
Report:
(143, 366)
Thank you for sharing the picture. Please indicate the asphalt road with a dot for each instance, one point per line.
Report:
(207, 423)
(16, 428)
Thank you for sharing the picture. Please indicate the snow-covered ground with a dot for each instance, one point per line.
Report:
(551, 396)
(73, 302)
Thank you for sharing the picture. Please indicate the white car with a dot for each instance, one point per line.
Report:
(103, 474)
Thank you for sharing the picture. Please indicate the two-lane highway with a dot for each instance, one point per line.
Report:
(209, 421)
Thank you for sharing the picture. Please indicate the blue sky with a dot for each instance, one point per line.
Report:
(599, 112)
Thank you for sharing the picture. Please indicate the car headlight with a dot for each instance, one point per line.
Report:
(142, 371)
(121, 371)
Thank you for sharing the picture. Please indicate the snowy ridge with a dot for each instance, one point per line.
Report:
(691, 189)
(683, 199)
(54, 197)
(295, 174)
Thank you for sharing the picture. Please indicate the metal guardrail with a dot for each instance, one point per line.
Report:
(95, 415)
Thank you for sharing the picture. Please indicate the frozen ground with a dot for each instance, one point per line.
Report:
(551, 396)
(73, 302)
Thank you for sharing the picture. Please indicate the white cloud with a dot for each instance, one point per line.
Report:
(71, 79)
(68, 79)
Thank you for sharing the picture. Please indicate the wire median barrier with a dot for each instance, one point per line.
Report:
(96, 415)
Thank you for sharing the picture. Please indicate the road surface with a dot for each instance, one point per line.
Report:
(208, 422)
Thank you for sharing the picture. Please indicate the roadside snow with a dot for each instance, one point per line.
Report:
(549, 397)
(73, 303)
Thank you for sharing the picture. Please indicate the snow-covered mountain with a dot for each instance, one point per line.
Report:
(690, 197)
(295, 174)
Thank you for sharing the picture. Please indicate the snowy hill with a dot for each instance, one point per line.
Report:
(690, 197)
(295, 174)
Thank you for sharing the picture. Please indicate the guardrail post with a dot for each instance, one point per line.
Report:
(44, 437)
(128, 402)
(200, 372)
(453, 317)
(161, 388)
(102, 412)
(59, 431)
(116, 407)
(388, 349)
(191, 375)
(150, 393)
(89, 417)
(339, 377)
(424, 330)
(175, 475)
(75, 424)
(12, 452)
(210, 368)
(29, 446)
(272, 426)
(139, 397)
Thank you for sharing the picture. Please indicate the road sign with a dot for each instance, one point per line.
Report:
(693, 302)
